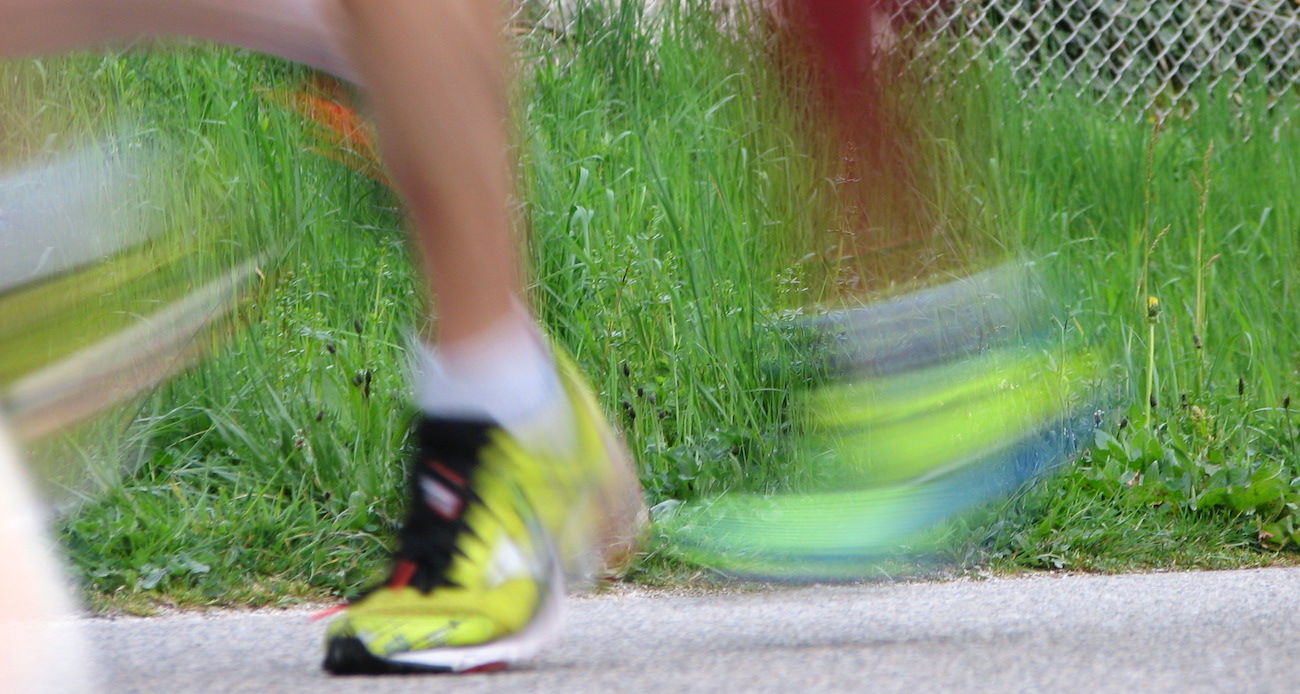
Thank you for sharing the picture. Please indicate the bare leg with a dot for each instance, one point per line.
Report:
(442, 114)
(307, 31)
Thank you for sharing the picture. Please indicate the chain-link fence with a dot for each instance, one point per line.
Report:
(1130, 53)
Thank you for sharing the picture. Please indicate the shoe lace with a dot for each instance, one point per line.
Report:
(441, 487)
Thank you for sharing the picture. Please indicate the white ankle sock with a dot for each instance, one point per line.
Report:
(506, 374)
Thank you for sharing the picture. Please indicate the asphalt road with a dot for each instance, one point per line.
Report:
(1187, 632)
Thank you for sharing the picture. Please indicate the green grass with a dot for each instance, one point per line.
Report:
(672, 211)
(1197, 433)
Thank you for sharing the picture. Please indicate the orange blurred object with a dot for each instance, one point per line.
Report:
(344, 134)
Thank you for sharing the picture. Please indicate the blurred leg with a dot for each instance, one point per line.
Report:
(307, 31)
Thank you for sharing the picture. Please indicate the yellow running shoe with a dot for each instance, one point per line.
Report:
(493, 535)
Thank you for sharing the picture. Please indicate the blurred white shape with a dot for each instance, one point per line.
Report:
(58, 216)
(41, 650)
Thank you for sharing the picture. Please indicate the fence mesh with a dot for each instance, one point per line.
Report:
(1133, 54)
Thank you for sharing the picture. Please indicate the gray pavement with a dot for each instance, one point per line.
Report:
(1233, 631)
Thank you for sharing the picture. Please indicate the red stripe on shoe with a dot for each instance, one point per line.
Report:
(447, 473)
(402, 574)
(488, 667)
